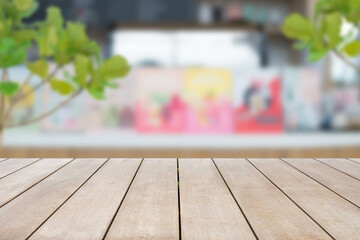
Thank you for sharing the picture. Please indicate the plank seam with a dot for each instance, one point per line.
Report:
(178, 189)
(20, 168)
(337, 169)
(4, 159)
(36, 183)
(320, 183)
(122, 200)
(291, 199)
(241, 210)
(67, 199)
(352, 160)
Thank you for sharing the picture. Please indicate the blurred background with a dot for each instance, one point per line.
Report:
(210, 78)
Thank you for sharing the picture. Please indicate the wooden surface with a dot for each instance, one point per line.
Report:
(152, 202)
(179, 199)
(14, 184)
(344, 185)
(357, 160)
(298, 152)
(269, 211)
(8, 167)
(333, 213)
(349, 167)
(23, 215)
(207, 208)
(78, 218)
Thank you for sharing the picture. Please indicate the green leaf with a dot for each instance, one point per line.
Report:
(31, 10)
(11, 52)
(317, 41)
(298, 27)
(47, 41)
(332, 23)
(39, 68)
(24, 35)
(112, 85)
(316, 55)
(352, 49)
(10, 10)
(323, 6)
(61, 87)
(82, 64)
(300, 45)
(55, 18)
(23, 5)
(353, 12)
(9, 88)
(5, 28)
(98, 94)
(115, 67)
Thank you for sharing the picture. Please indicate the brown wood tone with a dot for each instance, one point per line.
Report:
(207, 208)
(337, 216)
(23, 215)
(357, 160)
(16, 183)
(182, 153)
(88, 213)
(338, 182)
(271, 214)
(346, 166)
(13, 165)
(179, 199)
(150, 209)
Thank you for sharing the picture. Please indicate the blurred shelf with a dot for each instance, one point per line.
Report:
(131, 140)
(271, 30)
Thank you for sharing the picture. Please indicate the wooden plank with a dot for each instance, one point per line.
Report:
(88, 213)
(22, 216)
(338, 182)
(12, 165)
(150, 209)
(337, 216)
(355, 160)
(15, 184)
(208, 211)
(271, 214)
(343, 165)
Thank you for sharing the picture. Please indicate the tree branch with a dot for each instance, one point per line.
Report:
(2, 100)
(13, 103)
(347, 61)
(47, 114)
(26, 82)
(36, 87)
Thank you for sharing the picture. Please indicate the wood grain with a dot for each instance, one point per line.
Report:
(208, 210)
(12, 165)
(98, 152)
(355, 160)
(150, 209)
(88, 213)
(270, 212)
(340, 183)
(344, 165)
(339, 217)
(22, 216)
(18, 182)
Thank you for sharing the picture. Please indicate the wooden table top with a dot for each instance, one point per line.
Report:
(179, 199)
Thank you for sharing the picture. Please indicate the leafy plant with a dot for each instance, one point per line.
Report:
(62, 43)
(323, 33)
